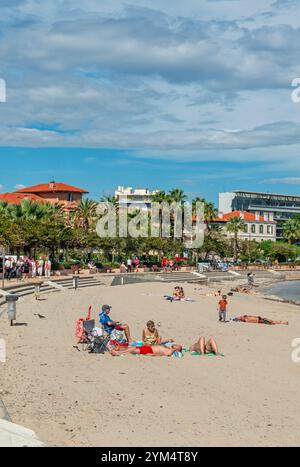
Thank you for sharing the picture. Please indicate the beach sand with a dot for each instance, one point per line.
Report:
(70, 398)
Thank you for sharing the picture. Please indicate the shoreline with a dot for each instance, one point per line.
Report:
(277, 297)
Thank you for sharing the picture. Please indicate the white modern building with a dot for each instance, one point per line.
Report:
(283, 207)
(138, 198)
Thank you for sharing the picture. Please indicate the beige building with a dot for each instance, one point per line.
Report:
(257, 227)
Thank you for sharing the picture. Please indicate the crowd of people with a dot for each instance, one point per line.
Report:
(24, 268)
(152, 343)
(120, 341)
(130, 265)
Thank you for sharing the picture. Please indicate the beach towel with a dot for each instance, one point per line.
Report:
(197, 354)
(171, 299)
(177, 354)
(136, 344)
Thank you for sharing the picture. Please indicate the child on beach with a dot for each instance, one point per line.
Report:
(223, 308)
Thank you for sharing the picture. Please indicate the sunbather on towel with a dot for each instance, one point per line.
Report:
(109, 325)
(203, 347)
(151, 336)
(257, 320)
(151, 350)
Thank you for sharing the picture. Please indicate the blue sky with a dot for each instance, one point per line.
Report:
(151, 93)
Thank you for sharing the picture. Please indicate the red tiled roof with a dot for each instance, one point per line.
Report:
(247, 216)
(51, 187)
(17, 198)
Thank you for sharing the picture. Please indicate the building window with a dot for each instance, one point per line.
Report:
(246, 230)
(253, 228)
(70, 197)
(270, 230)
(261, 229)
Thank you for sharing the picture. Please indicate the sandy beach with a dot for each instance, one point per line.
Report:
(68, 397)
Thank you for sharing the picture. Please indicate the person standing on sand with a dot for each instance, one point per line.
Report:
(223, 309)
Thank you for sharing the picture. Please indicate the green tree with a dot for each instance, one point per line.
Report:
(291, 230)
(235, 225)
(85, 214)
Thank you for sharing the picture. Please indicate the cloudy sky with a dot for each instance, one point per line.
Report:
(157, 93)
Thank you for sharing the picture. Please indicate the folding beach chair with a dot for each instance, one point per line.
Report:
(87, 338)
(99, 343)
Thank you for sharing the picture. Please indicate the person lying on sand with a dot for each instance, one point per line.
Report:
(181, 294)
(241, 290)
(110, 325)
(214, 294)
(175, 297)
(257, 320)
(151, 336)
(176, 293)
(203, 347)
(151, 350)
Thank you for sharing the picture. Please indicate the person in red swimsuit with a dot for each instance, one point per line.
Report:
(152, 350)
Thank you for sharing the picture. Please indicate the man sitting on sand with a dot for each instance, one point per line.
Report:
(110, 325)
(203, 347)
(257, 320)
(151, 350)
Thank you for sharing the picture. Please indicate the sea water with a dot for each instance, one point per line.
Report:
(289, 290)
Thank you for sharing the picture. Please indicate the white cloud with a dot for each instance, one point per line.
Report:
(284, 180)
(161, 78)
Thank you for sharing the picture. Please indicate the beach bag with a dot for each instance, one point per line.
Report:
(117, 335)
(97, 332)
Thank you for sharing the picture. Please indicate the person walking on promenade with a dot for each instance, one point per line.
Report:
(48, 266)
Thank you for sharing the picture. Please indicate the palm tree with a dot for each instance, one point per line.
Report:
(210, 211)
(160, 197)
(235, 225)
(3, 208)
(291, 230)
(54, 213)
(177, 195)
(110, 199)
(85, 214)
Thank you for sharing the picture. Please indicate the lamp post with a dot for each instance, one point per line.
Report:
(37, 289)
(75, 282)
(11, 301)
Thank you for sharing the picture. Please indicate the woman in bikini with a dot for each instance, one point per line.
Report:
(151, 337)
(204, 347)
(150, 334)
